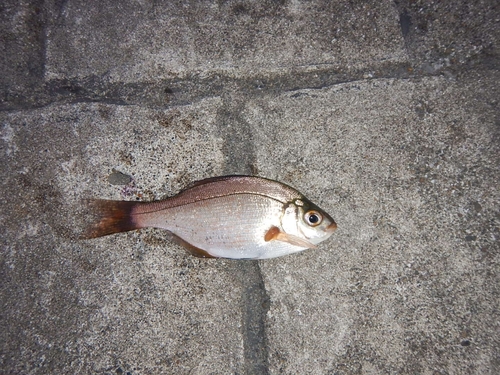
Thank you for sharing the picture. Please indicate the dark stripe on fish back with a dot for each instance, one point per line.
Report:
(224, 186)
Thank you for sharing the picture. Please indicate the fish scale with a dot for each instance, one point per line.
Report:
(237, 217)
(224, 225)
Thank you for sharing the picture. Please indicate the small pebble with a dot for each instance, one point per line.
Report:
(119, 178)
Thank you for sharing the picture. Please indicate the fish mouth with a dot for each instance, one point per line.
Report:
(331, 228)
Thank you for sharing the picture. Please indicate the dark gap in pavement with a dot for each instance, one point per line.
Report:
(172, 92)
(239, 155)
(175, 92)
(255, 304)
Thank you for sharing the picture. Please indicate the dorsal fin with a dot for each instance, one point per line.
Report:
(212, 179)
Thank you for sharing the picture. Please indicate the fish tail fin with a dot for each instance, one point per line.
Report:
(110, 217)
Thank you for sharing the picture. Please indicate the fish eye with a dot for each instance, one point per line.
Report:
(313, 218)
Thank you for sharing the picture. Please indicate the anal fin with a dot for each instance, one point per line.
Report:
(193, 250)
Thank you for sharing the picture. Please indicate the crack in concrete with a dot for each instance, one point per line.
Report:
(189, 89)
(239, 152)
(255, 304)
(238, 147)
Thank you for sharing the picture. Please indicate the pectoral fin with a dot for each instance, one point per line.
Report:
(275, 234)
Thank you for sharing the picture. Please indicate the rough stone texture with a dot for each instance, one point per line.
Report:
(445, 35)
(164, 39)
(407, 280)
(384, 113)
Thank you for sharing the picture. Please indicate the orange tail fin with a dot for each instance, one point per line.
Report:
(111, 217)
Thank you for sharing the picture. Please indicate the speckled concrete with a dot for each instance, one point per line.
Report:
(385, 114)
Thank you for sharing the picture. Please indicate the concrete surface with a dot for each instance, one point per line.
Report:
(384, 113)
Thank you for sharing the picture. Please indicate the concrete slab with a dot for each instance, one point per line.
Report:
(385, 114)
(442, 36)
(158, 40)
(69, 294)
(408, 168)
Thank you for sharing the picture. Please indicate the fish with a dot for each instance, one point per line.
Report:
(234, 217)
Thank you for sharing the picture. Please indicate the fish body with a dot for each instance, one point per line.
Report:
(236, 217)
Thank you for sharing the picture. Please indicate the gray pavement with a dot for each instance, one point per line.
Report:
(386, 114)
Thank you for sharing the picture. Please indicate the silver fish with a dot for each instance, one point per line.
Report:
(236, 217)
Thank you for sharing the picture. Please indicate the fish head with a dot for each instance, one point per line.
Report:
(304, 219)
